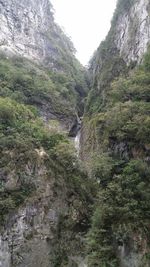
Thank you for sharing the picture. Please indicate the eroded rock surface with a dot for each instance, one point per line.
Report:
(133, 31)
(28, 29)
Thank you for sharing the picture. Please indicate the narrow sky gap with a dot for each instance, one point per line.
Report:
(87, 22)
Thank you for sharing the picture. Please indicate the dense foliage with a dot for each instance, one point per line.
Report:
(28, 91)
(107, 63)
(34, 151)
(22, 133)
(122, 168)
(51, 91)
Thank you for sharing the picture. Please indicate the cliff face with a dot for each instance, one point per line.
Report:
(114, 151)
(43, 199)
(128, 37)
(44, 194)
(132, 33)
(28, 29)
(122, 50)
(44, 230)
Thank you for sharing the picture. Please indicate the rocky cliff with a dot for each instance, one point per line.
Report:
(123, 48)
(45, 227)
(132, 33)
(115, 142)
(128, 37)
(28, 29)
(44, 194)
(46, 198)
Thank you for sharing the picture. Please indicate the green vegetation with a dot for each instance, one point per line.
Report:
(113, 67)
(121, 167)
(52, 92)
(33, 153)
(27, 91)
(22, 133)
(107, 64)
(72, 226)
(117, 113)
(27, 146)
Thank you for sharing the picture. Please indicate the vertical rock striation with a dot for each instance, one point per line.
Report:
(28, 29)
(132, 33)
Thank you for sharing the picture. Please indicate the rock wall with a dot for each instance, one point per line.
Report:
(40, 230)
(28, 29)
(133, 31)
(113, 62)
(35, 234)
(27, 239)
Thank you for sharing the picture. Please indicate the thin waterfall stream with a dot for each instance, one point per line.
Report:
(75, 133)
(77, 142)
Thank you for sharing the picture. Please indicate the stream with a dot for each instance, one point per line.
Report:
(75, 133)
(77, 142)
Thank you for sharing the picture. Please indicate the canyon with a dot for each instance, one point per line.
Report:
(74, 142)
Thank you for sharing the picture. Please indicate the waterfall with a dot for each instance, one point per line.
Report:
(77, 142)
(75, 133)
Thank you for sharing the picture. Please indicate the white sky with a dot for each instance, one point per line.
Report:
(87, 22)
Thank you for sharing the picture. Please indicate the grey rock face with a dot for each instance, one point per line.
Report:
(22, 22)
(25, 238)
(30, 234)
(25, 242)
(33, 234)
(133, 31)
(27, 28)
(129, 254)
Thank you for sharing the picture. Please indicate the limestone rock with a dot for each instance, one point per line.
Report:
(28, 29)
(133, 31)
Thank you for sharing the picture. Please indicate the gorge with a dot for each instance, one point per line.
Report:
(86, 202)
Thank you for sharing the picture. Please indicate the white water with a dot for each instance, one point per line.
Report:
(77, 143)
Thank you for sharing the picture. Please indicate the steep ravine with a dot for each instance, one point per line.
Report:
(74, 191)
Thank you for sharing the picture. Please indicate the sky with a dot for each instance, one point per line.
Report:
(87, 22)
